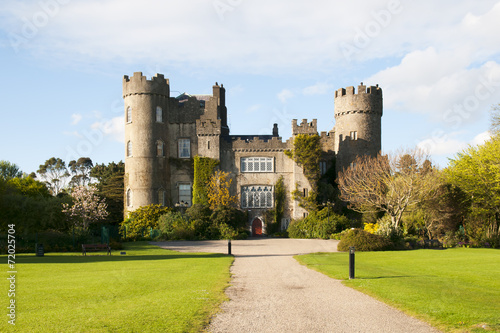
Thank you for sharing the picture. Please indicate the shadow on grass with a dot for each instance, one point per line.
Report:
(79, 259)
(387, 277)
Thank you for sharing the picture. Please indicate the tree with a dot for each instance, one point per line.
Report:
(443, 214)
(81, 171)
(9, 170)
(218, 191)
(87, 206)
(111, 186)
(28, 204)
(30, 187)
(392, 183)
(476, 171)
(54, 173)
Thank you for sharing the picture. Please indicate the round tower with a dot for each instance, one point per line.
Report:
(146, 145)
(358, 118)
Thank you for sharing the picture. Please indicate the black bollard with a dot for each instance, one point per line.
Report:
(351, 262)
(229, 247)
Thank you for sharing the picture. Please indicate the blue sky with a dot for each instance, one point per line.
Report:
(62, 61)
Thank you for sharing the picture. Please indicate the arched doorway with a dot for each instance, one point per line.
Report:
(257, 227)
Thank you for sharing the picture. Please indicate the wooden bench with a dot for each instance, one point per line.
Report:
(95, 248)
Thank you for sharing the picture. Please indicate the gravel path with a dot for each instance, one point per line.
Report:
(272, 292)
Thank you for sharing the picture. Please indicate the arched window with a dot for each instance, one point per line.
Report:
(129, 198)
(159, 148)
(129, 114)
(129, 148)
(159, 115)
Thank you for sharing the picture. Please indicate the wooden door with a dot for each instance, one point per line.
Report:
(257, 227)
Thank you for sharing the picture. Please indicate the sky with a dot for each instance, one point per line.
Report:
(62, 63)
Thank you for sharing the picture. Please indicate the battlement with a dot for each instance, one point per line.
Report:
(139, 84)
(258, 144)
(362, 89)
(304, 127)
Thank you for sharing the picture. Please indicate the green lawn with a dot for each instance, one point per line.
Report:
(147, 290)
(453, 289)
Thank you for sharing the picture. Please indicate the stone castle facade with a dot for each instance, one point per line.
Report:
(163, 134)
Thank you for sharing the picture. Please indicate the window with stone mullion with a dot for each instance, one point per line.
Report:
(257, 196)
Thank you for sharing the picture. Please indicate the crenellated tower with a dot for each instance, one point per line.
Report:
(358, 123)
(146, 139)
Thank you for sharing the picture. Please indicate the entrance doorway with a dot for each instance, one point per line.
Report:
(257, 227)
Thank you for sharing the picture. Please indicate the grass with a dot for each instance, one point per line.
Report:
(455, 290)
(147, 290)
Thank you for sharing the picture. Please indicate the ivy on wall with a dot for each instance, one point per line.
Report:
(306, 152)
(279, 200)
(203, 170)
(182, 164)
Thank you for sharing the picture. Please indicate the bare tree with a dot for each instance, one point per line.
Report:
(391, 183)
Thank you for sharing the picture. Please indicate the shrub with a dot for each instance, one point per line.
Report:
(319, 224)
(201, 223)
(229, 221)
(175, 226)
(142, 220)
(371, 228)
(363, 241)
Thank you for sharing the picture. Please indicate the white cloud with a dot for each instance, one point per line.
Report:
(113, 128)
(284, 95)
(441, 85)
(320, 88)
(253, 108)
(481, 138)
(253, 35)
(75, 118)
(449, 144)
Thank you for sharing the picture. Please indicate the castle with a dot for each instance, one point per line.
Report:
(163, 131)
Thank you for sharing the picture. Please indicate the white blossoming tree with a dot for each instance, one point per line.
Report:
(87, 206)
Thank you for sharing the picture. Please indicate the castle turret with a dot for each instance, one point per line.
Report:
(219, 92)
(358, 118)
(146, 135)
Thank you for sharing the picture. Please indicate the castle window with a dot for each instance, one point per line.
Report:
(159, 115)
(184, 148)
(322, 167)
(129, 114)
(161, 197)
(159, 148)
(354, 135)
(129, 198)
(257, 164)
(257, 196)
(129, 148)
(185, 194)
